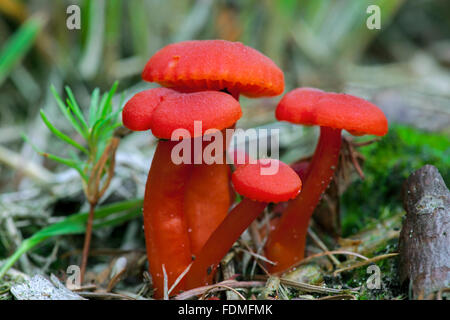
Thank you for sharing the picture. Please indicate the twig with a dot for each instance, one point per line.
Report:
(180, 277)
(28, 168)
(166, 283)
(225, 287)
(312, 288)
(318, 255)
(257, 256)
(87, 240)
(366, 262)
(322, 246)
(105, 295)
(339, 297)
(229, 272)
(353, 158)
(117, 276)
(218, 287)
(83, 288)
(309, 287)
(111, 155)
(94, 193)
(52, 258)
(16, 236)
(254, 234)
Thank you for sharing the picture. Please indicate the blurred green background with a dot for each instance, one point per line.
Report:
(403, 68)
(316, 42)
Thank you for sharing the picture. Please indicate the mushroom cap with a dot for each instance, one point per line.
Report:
(309, 106)
(138, 111)
(249, 181)
(215, 109)
(215, 65)
(164, 110)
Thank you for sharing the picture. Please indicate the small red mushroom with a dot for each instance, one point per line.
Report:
(164, 110)
(333, 112)
(221, 65)
(258, 189)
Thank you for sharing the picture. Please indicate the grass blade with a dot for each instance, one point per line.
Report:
(93, 106)
(91, 58)
(106, 105)
(76, 224)
(65, 110)
(77, 165)
(18, 46)
(61, 135)
(72, 102)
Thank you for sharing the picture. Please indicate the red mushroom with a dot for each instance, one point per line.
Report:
(258, 189)
(215, 65)
(332, 112)
(220, 65)
(164, 110)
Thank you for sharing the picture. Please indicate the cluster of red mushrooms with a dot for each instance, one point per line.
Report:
(188, 224)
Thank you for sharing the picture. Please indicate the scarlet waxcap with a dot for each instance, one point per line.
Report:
(249, 181)
(138, 111)
(215, 65)
(310, 106)
(215, 109)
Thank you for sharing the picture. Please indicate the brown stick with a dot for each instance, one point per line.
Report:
(87, 240)
(95, 193)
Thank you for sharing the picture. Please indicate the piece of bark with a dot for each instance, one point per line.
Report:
(424, 242)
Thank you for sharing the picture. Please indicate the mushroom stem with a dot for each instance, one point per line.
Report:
(207, 201)
(166, 235)
(208, 197)
(286, 244)
(221, 240)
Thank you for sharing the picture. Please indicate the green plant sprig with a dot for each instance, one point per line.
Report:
(94, 159)
(97, 130)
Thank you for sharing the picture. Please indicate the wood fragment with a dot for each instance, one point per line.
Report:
(424, 242)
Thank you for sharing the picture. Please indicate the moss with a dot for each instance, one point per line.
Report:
(390, 286)
(388, 163)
